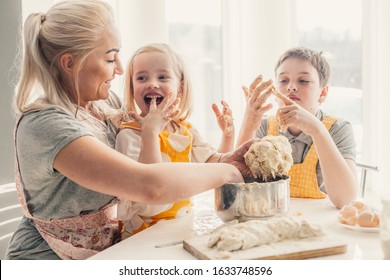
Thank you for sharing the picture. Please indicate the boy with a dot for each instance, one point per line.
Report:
(324, 148)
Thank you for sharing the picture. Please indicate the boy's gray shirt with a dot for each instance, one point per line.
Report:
(341, 133)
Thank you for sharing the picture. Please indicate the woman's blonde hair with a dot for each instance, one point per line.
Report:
(75, 27)
(179, 69)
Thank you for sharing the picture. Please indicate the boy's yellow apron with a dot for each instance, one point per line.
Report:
(303, 178)
(175, 156)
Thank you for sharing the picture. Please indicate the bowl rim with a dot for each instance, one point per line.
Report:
(259, 180)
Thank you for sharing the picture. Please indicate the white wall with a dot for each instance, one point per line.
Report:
(10, 11)
(376, 73)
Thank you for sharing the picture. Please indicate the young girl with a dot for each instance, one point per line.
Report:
(324, 148)
(157, 86)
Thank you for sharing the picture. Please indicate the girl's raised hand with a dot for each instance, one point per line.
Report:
(158, 116)
(224, 118)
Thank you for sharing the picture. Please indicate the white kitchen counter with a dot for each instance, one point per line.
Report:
(142, 246)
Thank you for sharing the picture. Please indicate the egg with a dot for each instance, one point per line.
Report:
(348, 215)
(368, 218)
(358, 213)
(359, 205)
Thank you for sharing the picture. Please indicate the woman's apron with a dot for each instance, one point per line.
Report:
(78, 237)
(303, 177)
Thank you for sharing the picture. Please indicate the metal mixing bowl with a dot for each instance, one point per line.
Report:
(252, 200)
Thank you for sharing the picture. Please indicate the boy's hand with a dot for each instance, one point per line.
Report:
(285, 101)
(224, 119)
(294, 115)
(256, 97)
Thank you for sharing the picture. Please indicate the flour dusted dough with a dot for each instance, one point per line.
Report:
(259, 232)
(270, 157)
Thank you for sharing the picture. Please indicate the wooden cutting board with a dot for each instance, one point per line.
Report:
(293, 249)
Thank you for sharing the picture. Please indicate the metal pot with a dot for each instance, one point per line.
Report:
(252, 200)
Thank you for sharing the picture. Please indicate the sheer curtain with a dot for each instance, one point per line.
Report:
(255, 32)
(376, 73)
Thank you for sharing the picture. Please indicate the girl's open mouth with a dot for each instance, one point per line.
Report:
(148, 99)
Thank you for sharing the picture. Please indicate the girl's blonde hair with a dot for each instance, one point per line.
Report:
(317, 59)
(179, 69)
(75, 27)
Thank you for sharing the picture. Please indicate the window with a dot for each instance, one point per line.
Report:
(194, 31)
(322, 26)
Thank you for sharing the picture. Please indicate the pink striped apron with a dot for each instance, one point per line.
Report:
(78, 237)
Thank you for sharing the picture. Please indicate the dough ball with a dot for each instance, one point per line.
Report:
(270, 157)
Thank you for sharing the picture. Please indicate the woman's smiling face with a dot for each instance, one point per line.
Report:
(99, 70)
(154, 77)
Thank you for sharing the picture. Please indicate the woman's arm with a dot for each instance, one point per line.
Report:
(96, 166)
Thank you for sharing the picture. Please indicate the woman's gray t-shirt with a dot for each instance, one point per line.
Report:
(49, 194)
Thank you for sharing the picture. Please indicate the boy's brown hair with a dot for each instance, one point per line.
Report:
(316, 58)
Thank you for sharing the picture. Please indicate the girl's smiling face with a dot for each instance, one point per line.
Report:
(299, 80)
(154, 77)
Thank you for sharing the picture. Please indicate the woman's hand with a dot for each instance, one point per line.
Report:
(237, 159)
